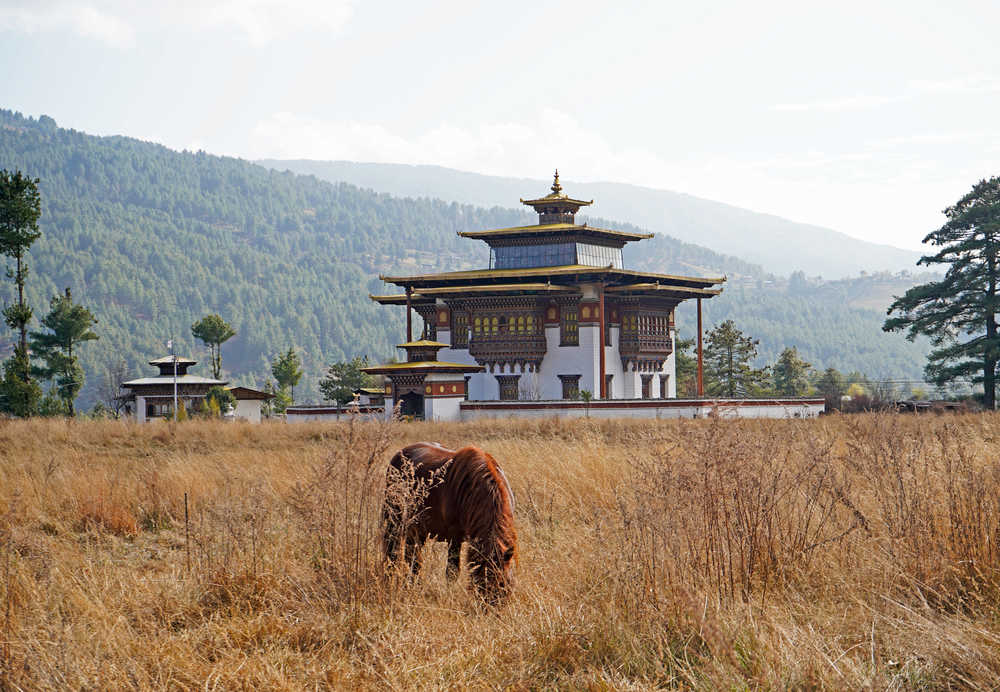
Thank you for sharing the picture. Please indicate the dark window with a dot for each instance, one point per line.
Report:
(467, 378)
(647, 386)
(598, 255)
(525, 256)
(570, 386)
(508, 387)
(570, 332)
(608, 379)
(664, 386)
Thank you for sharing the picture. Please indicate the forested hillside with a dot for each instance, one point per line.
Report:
(831, 323)
(780, 245)
(152, 239)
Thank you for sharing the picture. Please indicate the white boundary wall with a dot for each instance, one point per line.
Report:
(445, 409)
(306, 414)
(645, 408)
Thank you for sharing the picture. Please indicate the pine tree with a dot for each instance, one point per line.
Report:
(959, 312)
(219, 400)
(343, 378)
(19, 396)
(213, 331)
(20, 207)
(729, 355)
(686, 368)
(287, 370)
(791, 373)
(70, 325)
(832, 385)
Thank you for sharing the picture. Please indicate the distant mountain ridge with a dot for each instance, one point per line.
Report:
(779, 245)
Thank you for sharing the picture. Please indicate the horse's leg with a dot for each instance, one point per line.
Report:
(454, 558)
(391, 533)
(413, 550)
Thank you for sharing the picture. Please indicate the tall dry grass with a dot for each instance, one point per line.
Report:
(849, 552)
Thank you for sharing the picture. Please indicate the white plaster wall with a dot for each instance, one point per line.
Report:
(591, 341)
(248, 409)
(140, 409)
(442, 408)
(632, 384)
(548, 383)
(613, 366)
(670, 368)
(321, 417)
(452, 355)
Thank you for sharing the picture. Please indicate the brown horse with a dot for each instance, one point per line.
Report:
(456, 496)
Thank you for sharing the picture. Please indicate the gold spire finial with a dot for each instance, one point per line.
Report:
(556, 187)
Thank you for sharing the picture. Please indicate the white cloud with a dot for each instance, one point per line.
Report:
(914, 89)
(118, 21)
(847, 103)
(83, 19)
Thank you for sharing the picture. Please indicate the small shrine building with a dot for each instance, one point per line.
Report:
(555, 314)
(152, 398)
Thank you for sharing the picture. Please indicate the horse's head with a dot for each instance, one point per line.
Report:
(493, 568)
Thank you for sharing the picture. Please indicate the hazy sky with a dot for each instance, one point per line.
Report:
(866, 117)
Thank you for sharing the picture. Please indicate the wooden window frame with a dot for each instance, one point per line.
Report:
(508, 384)
(569, 327)
(570, 386)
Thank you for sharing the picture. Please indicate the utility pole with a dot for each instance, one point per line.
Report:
(171, 345)
(701, 381)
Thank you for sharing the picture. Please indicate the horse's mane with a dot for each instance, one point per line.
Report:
(477, 485)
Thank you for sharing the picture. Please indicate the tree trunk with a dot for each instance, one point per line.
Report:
(19, 279)
(989, 354)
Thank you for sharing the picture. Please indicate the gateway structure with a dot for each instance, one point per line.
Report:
(556, 314)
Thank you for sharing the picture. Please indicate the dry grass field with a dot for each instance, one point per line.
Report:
(844, 553)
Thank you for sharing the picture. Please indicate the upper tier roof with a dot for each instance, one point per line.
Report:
(555, 229)
(169, 360)
(556, 207)
(556, 198)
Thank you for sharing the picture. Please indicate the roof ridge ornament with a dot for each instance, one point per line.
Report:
(557, 206)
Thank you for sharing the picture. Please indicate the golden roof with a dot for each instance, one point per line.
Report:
(429, 293)
(396, 299)
(542, 229)
(422, 366)
(557, 197)
(566, 270)
(664, 288)
(423, 343)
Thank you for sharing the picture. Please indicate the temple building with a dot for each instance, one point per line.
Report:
(152, 398)
(555, 315)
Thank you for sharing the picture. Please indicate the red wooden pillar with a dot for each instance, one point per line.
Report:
(701, 371)
(603, 389)
(409, 315)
